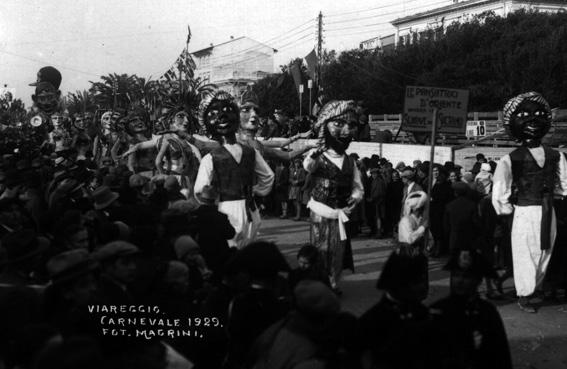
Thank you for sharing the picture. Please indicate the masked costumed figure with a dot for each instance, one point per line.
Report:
(138, 129)
(524, 184)
(237, 172)
(337, 186)
(249, 126)
(176, 156)
(108, 141)
(59, 137)
(46, 102)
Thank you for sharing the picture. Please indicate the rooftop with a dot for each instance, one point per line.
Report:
(469, 4)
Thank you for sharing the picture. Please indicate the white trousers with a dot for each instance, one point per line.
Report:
(246, 230)
(529, 260)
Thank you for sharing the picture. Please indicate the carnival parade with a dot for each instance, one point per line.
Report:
(387, 202)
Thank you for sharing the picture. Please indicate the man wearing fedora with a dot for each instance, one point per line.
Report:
(73, 286)
(118, 271)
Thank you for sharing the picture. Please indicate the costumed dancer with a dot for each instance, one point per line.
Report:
(536, 172)
(337, 186)
(107, 142)
(138, 128)
(237, 172)
(250, 125)
(181, 158)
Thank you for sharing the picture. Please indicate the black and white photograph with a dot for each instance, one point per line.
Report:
(265, 184)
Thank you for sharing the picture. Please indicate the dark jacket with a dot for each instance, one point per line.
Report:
(473, 334)
(214, 230)
(461, 224)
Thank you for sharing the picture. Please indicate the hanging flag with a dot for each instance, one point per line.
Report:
(295, 71)
(183, 64)
(311, 61)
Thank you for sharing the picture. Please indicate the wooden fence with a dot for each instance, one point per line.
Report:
(493, 130)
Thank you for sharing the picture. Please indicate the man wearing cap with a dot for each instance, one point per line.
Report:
(461, 221)
(470, 330)
(237, 172)
(73, 286)
(538, 173)
(118, 271)
(408, 179)
(337, 187)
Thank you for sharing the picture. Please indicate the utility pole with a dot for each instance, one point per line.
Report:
(319, 47)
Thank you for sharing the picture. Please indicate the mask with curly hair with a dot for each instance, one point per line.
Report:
(219, 114)
(336, 124)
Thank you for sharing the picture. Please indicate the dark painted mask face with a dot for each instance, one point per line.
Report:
(46, 98)
(136, 124)
(223, 116)
(339, 133)
(530, 122)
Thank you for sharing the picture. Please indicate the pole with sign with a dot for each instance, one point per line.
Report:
(432, 157)
(310, 87)
(300, 98)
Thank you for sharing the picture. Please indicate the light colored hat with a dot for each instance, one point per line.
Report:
(485, 167)
(115, 249)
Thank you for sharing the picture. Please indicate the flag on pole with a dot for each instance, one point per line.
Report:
(311, 61)
(295, 71)
(183, 64)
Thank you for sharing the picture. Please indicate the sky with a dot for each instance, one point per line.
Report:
(87, 39)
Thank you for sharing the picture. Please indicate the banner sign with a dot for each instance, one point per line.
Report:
(476, 128)
(420, 101)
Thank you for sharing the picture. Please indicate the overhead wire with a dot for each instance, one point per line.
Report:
(62, 66)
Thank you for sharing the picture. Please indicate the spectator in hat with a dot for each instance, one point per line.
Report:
(20, 255)
(105, 203)
(304, 337)
(189, 252)
(471, 329)
(483, 180)
(461, 222)
(441, 194)
(73, 286)
(399, 323)
(394, 195)
(213, 232)
(259, 306)
(363, 133)
(410, 186)
(118, 271)
(480, 159)
(375, 203)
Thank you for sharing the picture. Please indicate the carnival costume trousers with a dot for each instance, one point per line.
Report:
(329, 235)
(246, 222)
(529, 260)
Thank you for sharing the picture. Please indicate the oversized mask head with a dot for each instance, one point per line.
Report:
(136, 122)
(219, 113)
(249, 119)
(57, 120)
(337, 124)
(108, 121)
(527, 118)
(180, 121)
(46, 97)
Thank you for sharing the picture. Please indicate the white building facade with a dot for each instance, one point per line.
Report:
(234, 64)
(409, 29)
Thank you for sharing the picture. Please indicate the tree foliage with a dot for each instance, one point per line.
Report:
(493, 57)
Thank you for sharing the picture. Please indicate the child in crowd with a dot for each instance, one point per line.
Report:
(309, 267)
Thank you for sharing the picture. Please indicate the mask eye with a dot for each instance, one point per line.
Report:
(522, 114)
(539, 113)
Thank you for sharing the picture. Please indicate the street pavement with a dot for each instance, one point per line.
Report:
(536, 340)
